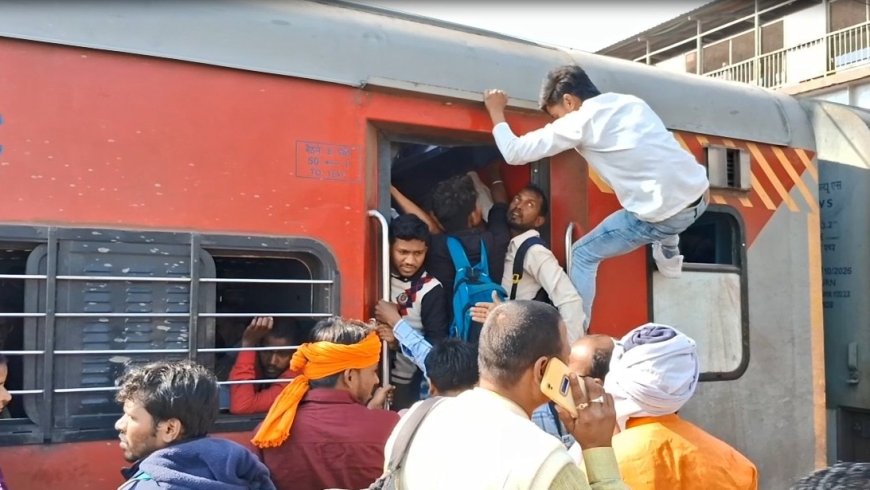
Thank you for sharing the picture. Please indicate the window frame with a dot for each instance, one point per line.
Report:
(46, 425)
(741, 269)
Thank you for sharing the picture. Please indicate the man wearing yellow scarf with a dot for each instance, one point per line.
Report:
(320, 433)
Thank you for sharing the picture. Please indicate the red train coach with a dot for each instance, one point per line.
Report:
(172, 169)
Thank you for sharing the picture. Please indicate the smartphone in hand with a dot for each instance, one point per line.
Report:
(557, 386)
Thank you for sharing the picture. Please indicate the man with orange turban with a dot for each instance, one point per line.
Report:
(325, 429)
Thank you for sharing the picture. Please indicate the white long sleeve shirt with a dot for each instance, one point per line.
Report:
(542, 270)
(628, 146)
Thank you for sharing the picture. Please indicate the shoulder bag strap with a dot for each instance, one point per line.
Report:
(457, 253)
(519, 261)
(406, 435)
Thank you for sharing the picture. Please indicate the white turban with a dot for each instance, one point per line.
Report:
(653, 372)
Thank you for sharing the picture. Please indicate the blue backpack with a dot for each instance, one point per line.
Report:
(472, 285)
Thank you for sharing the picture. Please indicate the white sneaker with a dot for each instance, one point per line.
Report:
(672, 267)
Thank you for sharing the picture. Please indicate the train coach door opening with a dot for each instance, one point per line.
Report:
(416, 159)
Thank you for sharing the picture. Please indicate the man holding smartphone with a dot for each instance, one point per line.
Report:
(501, 447)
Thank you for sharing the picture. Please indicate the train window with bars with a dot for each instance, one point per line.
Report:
(709, 301)
(15, 426)
(91, 301)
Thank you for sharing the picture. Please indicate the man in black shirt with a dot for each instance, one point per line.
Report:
(454, 206)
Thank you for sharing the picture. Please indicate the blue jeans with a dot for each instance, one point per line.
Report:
(618, 234)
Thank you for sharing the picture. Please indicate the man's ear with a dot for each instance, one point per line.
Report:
(433, 391)
(539, 221)
(347, 376)
(169, 431)
(571, 101)
(540, 367)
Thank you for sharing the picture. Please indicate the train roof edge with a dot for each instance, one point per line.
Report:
(367, 46)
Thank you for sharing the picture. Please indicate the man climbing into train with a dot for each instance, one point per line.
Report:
(661, 187)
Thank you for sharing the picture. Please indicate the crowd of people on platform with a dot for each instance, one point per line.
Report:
(464, 408)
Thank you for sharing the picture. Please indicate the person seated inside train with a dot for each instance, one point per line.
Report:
(539, 275)
(328, 427)
(417, 299)
(653, 373)
(246, 398)
(169, 407)
(661, 187)
(455, 211)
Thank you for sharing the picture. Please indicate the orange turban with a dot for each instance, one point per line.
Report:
(313, 361)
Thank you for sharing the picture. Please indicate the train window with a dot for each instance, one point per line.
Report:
(78, 307)
(709, 301)
(15, 425)
(728, 167)
(289, 287)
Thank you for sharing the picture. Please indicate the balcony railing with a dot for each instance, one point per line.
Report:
(837, 51)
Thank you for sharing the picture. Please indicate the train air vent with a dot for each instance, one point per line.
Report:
(728, 167)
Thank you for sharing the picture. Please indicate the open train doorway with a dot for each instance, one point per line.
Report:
(416, 164)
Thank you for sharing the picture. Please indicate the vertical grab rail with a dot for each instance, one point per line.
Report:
(385, 287)
(569, 241)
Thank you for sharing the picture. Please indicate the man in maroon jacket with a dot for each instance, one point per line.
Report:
(336, 437)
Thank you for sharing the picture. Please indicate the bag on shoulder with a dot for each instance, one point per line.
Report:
(472, 285)
(388, 481)
(518, 271)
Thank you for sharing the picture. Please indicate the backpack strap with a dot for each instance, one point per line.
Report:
(406, 435)
(457, 253)
(484, 259)
(519, 261)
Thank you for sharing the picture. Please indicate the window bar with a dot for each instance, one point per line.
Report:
(114, 314)
(247, 349)
(255, 381)
(275, 315)
(26, 392)
(124, 278)
(265, 281)
(47, 417)
(118, 352)
(193, 304)
(86, 390)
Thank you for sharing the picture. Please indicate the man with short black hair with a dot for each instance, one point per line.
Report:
(483, 438)
(660, 185)
(455, 213)
(418, 303)
(327, 429)
(539, 274)
(451, 368)
(264, 331)
(169, 408)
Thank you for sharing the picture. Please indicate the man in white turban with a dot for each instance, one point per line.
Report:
(653, 373)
